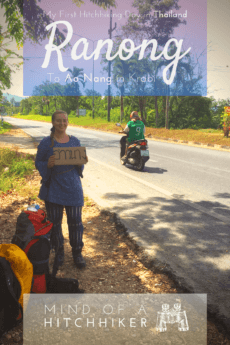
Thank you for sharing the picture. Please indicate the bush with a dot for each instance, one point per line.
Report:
(151, 121)
(18, 167)
(100, 113)
(21, 168)
(72, 113)
(115, 115)
(5, 127)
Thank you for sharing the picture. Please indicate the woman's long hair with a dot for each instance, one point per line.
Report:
(53, 129)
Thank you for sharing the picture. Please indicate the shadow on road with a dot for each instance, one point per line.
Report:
(119, 196)
(153, 170)
(193, 246)
(17, 141)
(222, 195)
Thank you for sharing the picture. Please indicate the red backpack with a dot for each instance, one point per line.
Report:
(32, 235)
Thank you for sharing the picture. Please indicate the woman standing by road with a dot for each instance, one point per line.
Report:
(61, 187)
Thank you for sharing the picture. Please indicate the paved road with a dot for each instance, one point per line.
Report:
(177, 209)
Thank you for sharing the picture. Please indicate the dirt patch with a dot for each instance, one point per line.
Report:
(18, 140)
(113, 261)
(113, 266)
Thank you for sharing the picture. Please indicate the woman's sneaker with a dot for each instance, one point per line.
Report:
(79, 261)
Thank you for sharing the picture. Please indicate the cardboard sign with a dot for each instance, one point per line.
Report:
(70, 155)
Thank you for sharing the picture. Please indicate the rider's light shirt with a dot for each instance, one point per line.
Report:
(135, 129)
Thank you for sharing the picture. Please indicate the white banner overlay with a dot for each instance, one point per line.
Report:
(115, 319)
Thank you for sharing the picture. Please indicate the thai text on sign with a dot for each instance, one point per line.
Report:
(70, 156)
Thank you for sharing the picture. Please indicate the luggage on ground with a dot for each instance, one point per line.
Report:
(33, 231)
(16, 272)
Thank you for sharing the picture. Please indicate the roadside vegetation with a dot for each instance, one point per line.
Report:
(206, 136)
(15, 169)
(193, 112)
(5, 127)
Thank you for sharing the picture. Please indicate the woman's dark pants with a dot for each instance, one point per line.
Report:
(55, 215)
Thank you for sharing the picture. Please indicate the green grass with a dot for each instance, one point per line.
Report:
(33, 117)
(6, 127)
(211, 130)
(87, 121)
(87, 202)
(203, 136)
(14, 167)
(80, 121)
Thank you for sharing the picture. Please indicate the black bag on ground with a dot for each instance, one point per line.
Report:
(10, 291)
(62, 285)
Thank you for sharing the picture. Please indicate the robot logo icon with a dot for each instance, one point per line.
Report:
(174, 315)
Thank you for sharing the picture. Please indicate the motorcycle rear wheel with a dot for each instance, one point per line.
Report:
(140, 165)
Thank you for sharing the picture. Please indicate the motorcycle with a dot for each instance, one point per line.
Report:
(137, 153)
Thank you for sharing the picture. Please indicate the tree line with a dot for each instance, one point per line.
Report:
(164, 109)
(184, 112)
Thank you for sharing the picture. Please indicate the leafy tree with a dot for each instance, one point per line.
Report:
(193, 112)
(4, 101)
(147, 25)
(121, 71)
(13, 16)
(49, 89)
(35, 19)
(4, 75)
(37, 104)
(217, 108)
(94, 93)
(12, 101)
(35, 22)
(6, 68)
(185, 81)
(102, 3)
(26, 105)
(74, 87)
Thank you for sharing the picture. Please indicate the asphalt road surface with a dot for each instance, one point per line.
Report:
(177, 209)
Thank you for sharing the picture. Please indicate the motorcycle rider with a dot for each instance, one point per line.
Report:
(135, 129)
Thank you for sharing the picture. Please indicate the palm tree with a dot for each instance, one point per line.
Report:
(121, 69)
(184, 69)
(77, 73)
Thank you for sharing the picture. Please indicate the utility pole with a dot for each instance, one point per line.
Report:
(110, 36)
(93, 83)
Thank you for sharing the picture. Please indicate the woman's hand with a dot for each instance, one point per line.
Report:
(86, 159)
(51, 162)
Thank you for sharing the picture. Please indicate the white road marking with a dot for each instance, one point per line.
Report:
(188, 162)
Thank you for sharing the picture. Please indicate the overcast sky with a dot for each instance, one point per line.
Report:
(218, 52)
